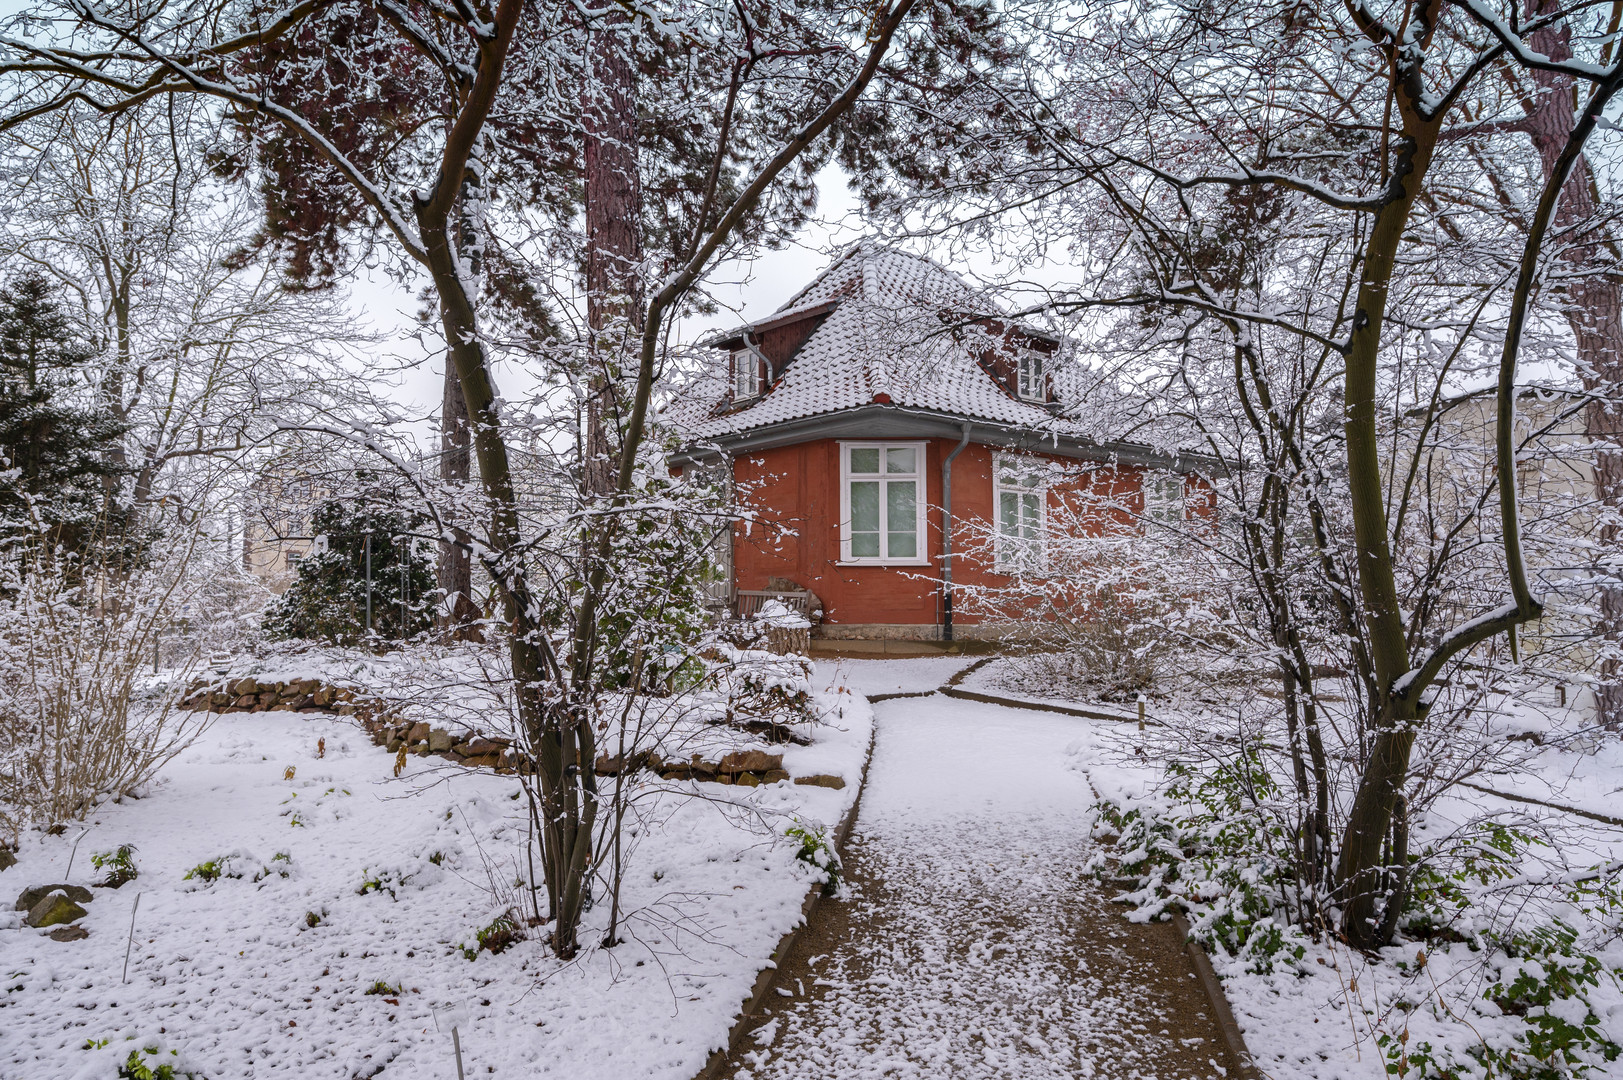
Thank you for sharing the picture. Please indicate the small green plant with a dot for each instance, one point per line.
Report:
(119, 864)
(502, 933)
(383, 989)
(137, 1067)
(312, 919)
(281, 865)
(382, 881)
(212, 870)
(816, 851)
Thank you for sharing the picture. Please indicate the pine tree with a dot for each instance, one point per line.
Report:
(56, 469)
(328, 600)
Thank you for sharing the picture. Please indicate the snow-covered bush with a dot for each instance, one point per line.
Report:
(1511, 964)
(1213, 845)
(82, 716)
(1106, 610)
(817, 852)
(366, 565)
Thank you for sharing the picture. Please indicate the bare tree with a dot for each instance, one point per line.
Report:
(238, 60)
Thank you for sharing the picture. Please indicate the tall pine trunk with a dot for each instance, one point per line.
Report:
(613, 190)
(1593, 307)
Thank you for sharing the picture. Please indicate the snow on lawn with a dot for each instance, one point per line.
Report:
(902, 675)
(233, 976)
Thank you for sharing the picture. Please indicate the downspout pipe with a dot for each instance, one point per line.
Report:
(946, 536)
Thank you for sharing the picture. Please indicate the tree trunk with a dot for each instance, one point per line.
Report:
(564, 756)
(1393, 717)
(1594, 311)
(613, 186)
(455, 569)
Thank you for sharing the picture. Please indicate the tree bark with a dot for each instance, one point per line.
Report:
(613, 189)
(1394, 717)
(1594, 311)
(455, 570)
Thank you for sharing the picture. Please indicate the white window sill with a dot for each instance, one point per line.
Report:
(883, 562)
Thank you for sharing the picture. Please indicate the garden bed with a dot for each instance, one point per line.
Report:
(350, 914)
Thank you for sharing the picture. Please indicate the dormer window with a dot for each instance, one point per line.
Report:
(746, 374)
(1030, 384)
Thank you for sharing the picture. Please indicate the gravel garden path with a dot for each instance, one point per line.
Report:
(970, 945)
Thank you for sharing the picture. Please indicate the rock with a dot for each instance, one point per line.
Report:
(484, 761)
(30, 897)
(758, 761)
(481, 745)
(821, 780)
(393, 745)
(54, 910)
(613, 766)
(245, 687)
(7, 859)
(772, 776)
(439, 741)
(69, 933)
(322, 697)
(748, 779)
(267, 698)
(417, 734)
(303, 701)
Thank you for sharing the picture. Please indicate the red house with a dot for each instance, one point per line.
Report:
(883, 418)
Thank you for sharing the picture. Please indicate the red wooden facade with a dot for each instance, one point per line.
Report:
(794, 494)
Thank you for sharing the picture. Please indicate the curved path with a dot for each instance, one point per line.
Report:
(971, 946)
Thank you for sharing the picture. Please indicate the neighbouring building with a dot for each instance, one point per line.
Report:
(1560, 524)
(276, 526)
(881, 421)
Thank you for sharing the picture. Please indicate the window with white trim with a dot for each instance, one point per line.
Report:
(1163, 497)
(1030, 384)
(882, 503)
(746, 374)
(1020, 494)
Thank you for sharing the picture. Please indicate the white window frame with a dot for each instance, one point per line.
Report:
(920, 503)
(746, 376)
(1030, 379)
(1005, 557)
(1157, 505)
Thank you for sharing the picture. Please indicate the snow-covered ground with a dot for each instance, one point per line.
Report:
(233, 975)
(910, 675)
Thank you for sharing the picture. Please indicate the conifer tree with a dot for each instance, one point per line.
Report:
(329, 599)
(56, 471)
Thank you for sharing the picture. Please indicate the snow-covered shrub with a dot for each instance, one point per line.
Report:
(148, 1061)
(1211, 847)
(817, 852)
(211, 870)
(765, 686)
(1541, 1016)
(497, 936)
(82, 716)
(1105, 610)
(1490, 904)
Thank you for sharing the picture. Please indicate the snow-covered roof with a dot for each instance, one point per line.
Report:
(896, 334)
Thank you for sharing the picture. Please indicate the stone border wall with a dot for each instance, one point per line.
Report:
(395, 733)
